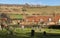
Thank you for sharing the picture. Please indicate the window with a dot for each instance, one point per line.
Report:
(41, 20)
(26, 20)
(59, 20)
(49, 19)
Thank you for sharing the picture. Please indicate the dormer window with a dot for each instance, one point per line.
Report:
(41, 20)
(49, 19)
(32, 20)
(26, 20)
(59, 20)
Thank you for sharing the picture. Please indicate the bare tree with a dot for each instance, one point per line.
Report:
(4, 15)
(5, 19)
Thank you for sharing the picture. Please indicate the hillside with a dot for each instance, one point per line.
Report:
(17, 9)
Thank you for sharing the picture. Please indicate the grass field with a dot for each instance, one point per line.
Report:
(15, 16)
(25, 33)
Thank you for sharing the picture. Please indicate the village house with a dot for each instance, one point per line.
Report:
(46, 19)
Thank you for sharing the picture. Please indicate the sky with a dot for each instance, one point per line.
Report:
(41, 2)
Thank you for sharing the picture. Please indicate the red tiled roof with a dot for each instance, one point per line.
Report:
(45, 18)
(37, 18)
(56, 18)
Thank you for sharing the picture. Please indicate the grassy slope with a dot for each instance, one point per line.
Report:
(49, 10)
(44, 10)
(41, 10)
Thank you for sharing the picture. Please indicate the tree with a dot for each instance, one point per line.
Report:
(3, 15)
(23, 9)
(5, 19)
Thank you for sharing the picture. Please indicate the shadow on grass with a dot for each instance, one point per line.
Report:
(48, 35)
(28, 35)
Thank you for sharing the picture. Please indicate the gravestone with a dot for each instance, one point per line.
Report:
(44, 33)
(32, 32)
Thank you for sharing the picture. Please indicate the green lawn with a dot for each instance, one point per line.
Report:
(25, 33)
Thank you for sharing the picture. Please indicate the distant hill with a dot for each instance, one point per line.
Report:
(30, 9)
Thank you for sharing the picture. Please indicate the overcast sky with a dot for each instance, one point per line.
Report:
(42, 2)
